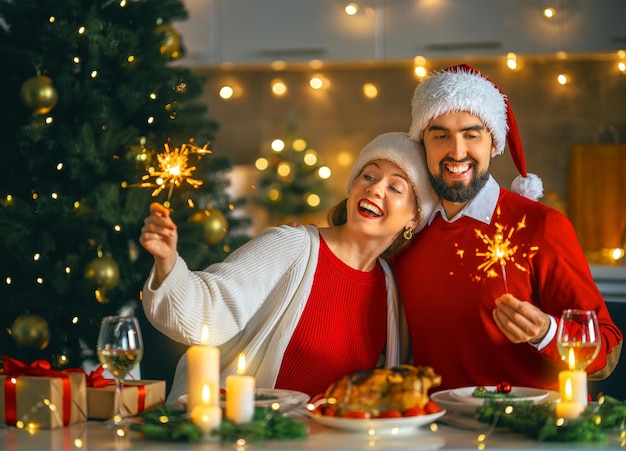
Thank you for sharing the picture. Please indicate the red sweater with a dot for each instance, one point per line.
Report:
(342, 329)
(449, 300)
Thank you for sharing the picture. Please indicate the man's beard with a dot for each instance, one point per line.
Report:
(458, 192)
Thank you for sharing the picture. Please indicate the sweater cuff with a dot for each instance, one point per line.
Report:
(549, 335)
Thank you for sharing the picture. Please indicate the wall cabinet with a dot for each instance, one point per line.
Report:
(262, 31)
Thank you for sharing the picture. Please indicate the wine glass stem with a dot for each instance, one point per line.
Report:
(119, 382)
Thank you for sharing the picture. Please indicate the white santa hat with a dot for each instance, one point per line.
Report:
(409, 156)
(463, 88)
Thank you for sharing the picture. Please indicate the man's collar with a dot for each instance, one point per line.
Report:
(480, 208)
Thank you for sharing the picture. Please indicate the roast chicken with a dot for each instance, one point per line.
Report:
(398, 388)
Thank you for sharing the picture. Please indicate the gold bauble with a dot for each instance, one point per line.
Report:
(214, 223)
(30, 331)
(103, 271)
(170, 42)
(39, 94)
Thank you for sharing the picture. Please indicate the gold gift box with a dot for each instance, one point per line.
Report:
(40, 401)
(102, 401)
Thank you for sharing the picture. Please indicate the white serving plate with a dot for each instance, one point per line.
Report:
(523, 394)
(377, 426)
(288, 399)
(457, 404)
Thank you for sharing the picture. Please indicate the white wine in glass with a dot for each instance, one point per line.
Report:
(578, 338)
(120, 348)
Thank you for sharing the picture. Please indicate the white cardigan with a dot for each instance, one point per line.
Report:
(251, 303)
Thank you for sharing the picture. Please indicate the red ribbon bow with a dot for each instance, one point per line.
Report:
(13, 369)
(96, 379)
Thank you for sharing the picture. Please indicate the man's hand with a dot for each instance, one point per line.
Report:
(520, 321)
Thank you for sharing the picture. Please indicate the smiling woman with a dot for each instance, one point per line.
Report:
(308, 273)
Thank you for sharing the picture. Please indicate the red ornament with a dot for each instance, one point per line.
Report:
(503, 387)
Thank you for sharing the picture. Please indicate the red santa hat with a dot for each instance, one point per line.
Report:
(463, 88)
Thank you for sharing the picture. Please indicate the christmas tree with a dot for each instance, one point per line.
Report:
(291, 184)
(96, 120)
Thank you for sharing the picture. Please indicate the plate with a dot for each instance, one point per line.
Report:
(522, 394)
(379, 426)
(288, 399)
(445, 399)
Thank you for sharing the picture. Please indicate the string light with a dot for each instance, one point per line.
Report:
(370, 90)
(279, 88)
(511, 61)
(226, 92)
(351, 9)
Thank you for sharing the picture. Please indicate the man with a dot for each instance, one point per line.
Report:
(485, 283)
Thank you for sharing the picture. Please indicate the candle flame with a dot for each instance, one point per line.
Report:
(204, 337)
(571, 360)
(241, 364)
(206, 394)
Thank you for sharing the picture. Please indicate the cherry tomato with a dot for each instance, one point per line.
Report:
(390, 414)
(361, 414)
(432, 407)
(414, 411)
(327, 410)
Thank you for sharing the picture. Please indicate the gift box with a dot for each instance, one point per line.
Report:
(137, 396)
(36, 396)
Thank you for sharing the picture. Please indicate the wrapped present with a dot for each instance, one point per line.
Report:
(37, 396)
(137, 396)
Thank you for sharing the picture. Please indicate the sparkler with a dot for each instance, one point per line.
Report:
(500, 250)
(174, 169)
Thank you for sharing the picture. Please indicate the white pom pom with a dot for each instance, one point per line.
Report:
(530, 186)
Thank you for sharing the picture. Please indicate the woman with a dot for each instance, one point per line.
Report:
(306, 305)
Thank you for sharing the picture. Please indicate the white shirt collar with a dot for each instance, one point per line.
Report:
(480, 207)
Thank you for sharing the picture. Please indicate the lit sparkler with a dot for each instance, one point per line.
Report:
(174, 169)
(500, 250)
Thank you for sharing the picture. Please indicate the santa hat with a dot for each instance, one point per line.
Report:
(409, 156)
(463, 88)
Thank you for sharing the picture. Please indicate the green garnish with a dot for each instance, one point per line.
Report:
(173, 424)
(539, 421)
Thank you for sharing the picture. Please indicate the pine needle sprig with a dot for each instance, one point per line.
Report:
(173, 424)
(540, 422)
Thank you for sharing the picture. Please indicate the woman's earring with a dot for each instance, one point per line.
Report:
(408, 234)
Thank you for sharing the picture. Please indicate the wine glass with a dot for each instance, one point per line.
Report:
(120, 349)
(578, 338)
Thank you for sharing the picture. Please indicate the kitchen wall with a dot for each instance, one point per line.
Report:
(340, 119)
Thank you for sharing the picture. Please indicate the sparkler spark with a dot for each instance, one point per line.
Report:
(174, 169)
(499, 250)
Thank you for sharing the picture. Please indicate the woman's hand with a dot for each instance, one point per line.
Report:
(159, 236)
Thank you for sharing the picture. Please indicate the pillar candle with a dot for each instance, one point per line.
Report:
(207, 415)
(577, 390)
(240, 395)
(203, 368)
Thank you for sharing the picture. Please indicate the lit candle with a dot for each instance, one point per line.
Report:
(568, 407)
(240, 395)
(203, 369)
(577, 379)
(207, 415)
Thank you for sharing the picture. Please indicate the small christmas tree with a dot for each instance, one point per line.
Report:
(291, 185)
(91, 108)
